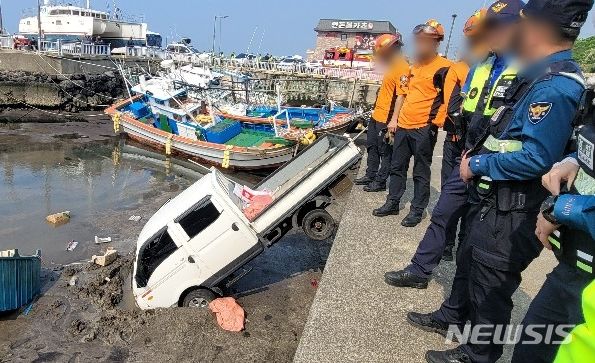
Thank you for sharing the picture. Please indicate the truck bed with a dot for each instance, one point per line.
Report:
(304, 177)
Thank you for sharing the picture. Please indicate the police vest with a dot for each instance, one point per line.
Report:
(479, 87)
(497, 96)
(571, 246)
(579, 345)
(526, 195)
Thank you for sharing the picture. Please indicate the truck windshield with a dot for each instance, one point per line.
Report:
(152, 254)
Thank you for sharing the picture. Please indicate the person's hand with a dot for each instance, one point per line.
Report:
(392, 126)
(543, 230)
(563, 172)
(465, 170)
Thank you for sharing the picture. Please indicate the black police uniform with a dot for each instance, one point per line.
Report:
(558, 303)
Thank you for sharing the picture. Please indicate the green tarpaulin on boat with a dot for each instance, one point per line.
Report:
(301, 123)
(163, 124)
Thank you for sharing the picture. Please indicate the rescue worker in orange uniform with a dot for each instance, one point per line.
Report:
(423, 112)
(387, 51)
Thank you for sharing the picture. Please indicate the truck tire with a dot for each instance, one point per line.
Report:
(318, 225)
(198, 298)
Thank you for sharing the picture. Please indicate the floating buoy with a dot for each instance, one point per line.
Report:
(308, 138)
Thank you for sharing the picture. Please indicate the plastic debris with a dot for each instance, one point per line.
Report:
(135, 218)
(101, 240)
(257, 205)
(107, 258)
(73, 280)
(230, 315)
(58, 218)
(71, 245)
(314, 283)
(27, 310)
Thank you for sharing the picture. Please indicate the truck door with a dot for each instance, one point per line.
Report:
(218, 237)
(163, 268)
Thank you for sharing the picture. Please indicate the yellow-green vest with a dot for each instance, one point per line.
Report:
(579, 345)
(478, 85)
(480, 98)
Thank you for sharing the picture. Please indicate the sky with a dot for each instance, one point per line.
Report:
(275, 26)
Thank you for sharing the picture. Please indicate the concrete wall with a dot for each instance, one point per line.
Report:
(13, 60)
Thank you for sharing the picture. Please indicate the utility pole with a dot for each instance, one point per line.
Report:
(215, 29)
(38, 26)
(454, 18)
(1, 22)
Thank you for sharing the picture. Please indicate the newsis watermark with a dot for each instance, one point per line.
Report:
(510, 334)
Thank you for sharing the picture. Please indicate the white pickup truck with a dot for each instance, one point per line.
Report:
(197, 241)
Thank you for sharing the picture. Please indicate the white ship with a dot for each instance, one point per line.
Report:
(75, 23)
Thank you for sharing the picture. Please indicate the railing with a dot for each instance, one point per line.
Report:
(6, 42)
(276, 67)
(75, 48)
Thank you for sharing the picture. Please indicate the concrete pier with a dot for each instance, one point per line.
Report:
(356, 316)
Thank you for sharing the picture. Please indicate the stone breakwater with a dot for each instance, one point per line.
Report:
(69, 93)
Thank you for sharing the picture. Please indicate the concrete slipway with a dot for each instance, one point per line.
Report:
(356, 316)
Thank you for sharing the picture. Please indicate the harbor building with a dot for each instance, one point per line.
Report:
(352, 34)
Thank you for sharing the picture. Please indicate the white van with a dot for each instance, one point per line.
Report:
(197, 241)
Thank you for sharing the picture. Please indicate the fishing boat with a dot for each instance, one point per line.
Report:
(163, 115)
(294, 123)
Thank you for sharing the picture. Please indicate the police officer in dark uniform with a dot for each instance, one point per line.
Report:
(526, 137)
(566, 226)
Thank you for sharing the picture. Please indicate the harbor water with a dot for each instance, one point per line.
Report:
(101, 185)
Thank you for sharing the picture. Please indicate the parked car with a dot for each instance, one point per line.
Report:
(244, 58)
(182, 52)
(291, 64)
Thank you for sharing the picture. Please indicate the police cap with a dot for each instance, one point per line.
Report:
(569, 15)
(504, 11)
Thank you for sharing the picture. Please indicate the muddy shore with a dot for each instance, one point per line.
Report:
(86, 313)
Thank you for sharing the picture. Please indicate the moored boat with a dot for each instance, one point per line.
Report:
(164, 117)
(295, 122)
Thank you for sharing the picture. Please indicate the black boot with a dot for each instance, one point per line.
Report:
(448, 356)
(405, 278)
(413, 218)
(447, 254)
(427, 323)
(374, 187)
(364, 180)
(390, 208)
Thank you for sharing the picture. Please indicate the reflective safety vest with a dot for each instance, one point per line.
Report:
(574, 247)
(479, 87)
(498, 92)
(579, 345)
(482, 98)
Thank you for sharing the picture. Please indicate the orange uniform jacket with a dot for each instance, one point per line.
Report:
(394, 84)
(425, 97)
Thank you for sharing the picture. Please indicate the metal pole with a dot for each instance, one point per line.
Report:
(38, 26)
(214, 35)
(454, 18)
(1, 22)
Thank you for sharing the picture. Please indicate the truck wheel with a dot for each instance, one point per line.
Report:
(318, 224)
(198, 298)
